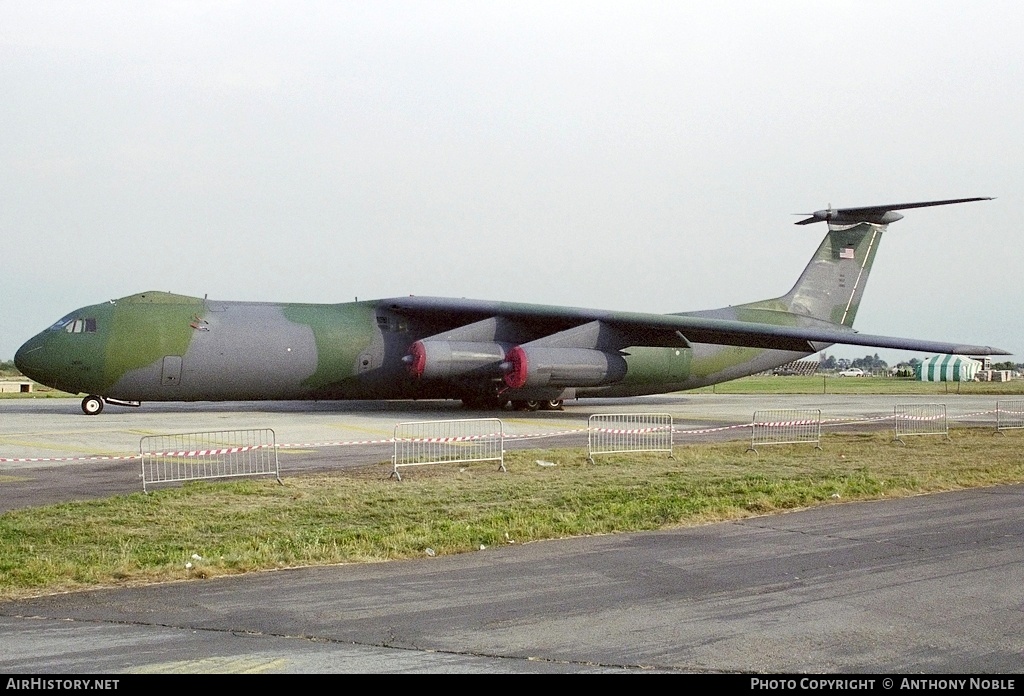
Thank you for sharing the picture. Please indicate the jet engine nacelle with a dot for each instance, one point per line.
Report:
(446, 359)
(539, 366)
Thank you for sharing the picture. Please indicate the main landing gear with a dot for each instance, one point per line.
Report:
(530, 405)
(534, 405)
(494, 402)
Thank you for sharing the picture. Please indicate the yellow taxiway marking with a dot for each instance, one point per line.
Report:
(214, 665)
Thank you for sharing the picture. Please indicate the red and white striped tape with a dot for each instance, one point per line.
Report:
(457, 438)
(206, 452)
(783, 424)
(391, 440)
(632, 431)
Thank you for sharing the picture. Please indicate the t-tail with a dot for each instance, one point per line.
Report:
(832, 284)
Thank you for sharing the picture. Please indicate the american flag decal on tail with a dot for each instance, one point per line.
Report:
(846, 253)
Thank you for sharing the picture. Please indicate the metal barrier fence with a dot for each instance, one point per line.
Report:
(785, 427)
(919, 419)
(1009, 415)
(450, 441)
(608, 433)
(209, 455)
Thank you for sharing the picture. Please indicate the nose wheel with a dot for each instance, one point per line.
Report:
(92, 405)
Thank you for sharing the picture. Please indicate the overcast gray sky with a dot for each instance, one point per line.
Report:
(628, 155)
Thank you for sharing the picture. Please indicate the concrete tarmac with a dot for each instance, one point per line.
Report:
(932, 584)
(51, 452)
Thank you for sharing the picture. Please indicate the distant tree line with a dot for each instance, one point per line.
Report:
(7, 368)
(869, 363)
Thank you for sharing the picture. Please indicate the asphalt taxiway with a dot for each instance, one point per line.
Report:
(932, 584)
(929, 584)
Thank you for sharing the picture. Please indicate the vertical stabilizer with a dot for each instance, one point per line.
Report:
(832, 284)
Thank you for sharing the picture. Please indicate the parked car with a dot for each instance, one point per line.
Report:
(852, 372)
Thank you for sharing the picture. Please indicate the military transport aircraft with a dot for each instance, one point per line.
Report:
(157, 346)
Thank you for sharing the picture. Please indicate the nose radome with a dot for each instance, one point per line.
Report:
(28, 359)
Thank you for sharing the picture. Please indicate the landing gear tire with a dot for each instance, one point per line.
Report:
(551, 405)
(92, 405)
(530, 405)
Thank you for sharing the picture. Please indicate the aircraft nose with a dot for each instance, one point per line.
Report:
(29, 359)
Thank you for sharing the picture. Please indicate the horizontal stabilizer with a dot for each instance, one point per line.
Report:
(875, 214)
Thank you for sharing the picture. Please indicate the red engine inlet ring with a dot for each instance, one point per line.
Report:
(419, 359)
(516, 376)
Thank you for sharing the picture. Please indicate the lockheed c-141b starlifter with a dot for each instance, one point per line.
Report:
(157, 346)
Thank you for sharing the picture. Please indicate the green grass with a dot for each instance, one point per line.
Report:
(39, 393)
(362, 516)
(830, 384)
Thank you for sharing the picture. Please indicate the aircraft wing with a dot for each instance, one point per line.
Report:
(535, 322)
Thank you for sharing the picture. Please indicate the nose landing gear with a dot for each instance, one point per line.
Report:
(92, 405)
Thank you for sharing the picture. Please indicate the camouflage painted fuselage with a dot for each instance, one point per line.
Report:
(158, 346)
(163, 347)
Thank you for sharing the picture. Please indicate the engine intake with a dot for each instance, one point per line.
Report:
(447, 359)
(539, 366)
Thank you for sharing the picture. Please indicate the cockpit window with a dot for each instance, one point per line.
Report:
(75, 325)
(396, 324)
